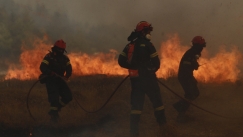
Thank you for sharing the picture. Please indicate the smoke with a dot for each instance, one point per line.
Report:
(97, 26)
(220, 22)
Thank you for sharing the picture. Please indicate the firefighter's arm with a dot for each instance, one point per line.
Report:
(154, 58)
(155, 61)
(44, 66)
(68, 69)
(122, 61)
(190, 65)
(195, 65)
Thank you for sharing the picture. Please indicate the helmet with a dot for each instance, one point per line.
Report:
(143, 25)
(60, 44)
(198, 40)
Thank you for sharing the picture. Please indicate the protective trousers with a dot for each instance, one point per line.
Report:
(191, 93)
(56, 88)
(140, 87)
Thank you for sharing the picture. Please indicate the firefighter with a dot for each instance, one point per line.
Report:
(188, 82)
(56, 68)
(141, 59)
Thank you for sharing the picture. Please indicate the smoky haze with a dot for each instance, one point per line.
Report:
(220, 22)
(97, 26)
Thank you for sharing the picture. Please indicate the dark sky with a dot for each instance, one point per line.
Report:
(219, 22)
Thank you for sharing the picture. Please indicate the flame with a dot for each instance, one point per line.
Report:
(99, 63)
(170, 52)
(82, 63)
(29, 62)
(222, 67)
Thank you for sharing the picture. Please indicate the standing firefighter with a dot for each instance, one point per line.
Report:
(188, 82)
(142, 61)
(57, 68)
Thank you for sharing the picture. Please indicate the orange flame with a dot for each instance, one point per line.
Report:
(29, 63)
(82, 63)
(222, 67)
(170, 52)
(99, 63)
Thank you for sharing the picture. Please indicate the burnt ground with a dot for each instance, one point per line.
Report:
(224, 99)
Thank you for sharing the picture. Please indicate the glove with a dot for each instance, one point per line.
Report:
(196, 66)
(197, 56)
(151, 68)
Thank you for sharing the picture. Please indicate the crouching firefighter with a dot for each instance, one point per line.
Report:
(141, 59)
(53, 67)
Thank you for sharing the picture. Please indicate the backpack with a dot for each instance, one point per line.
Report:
(131, 59)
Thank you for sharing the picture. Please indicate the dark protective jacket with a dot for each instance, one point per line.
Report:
(144, 57)
(57, 64)
(188, 64)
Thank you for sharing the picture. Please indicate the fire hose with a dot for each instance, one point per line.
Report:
(115, 92)
(106, 100)
(193, 103)
(27, 100)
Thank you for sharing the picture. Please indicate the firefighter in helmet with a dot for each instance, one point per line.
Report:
(141, 59)
(188, 82)
(56, 68)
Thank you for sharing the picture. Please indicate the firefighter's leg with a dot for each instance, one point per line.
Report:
(153, 92)
(134, 121)
(137, 100)
(53, 98)
(182, 106)
(191, 93)
(66, 96)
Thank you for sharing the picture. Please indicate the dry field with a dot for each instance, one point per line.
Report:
(113, 120)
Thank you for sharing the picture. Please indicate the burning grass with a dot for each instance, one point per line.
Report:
(221, 67)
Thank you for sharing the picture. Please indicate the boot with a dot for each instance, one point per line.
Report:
(134, 124)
